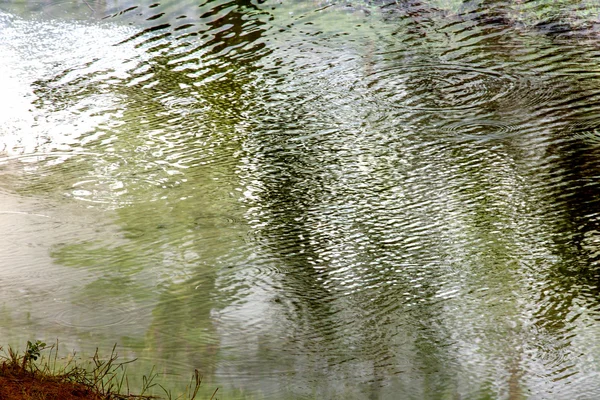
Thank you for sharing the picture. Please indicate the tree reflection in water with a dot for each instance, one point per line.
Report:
(333, 201)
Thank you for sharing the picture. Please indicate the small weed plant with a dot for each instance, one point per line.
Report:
(23, 377)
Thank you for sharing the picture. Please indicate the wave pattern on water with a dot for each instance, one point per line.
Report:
(357, 201)
(439, 87)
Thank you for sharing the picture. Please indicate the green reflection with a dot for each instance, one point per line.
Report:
(389, 253)
(163, 169)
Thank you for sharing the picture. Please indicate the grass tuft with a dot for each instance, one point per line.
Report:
(23, 377)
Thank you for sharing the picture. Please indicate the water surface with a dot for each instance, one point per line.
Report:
(306, 199)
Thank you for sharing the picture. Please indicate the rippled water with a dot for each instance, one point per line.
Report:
(307, 199)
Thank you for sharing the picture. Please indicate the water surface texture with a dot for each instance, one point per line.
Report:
(305, 199)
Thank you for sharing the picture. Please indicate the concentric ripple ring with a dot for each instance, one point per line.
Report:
(440, 87)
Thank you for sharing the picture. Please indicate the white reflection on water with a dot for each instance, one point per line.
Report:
(33, 51)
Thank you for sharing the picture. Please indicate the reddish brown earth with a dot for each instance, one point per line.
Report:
(19, 384)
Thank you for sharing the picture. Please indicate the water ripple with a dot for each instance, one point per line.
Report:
(86, 317)
(441, 87)
(480, 129)
(321, 198)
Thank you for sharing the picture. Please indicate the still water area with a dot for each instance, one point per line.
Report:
(307, 199)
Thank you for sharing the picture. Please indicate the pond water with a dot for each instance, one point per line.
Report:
(307, 199)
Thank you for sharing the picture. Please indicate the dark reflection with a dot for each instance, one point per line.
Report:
(577, 202)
